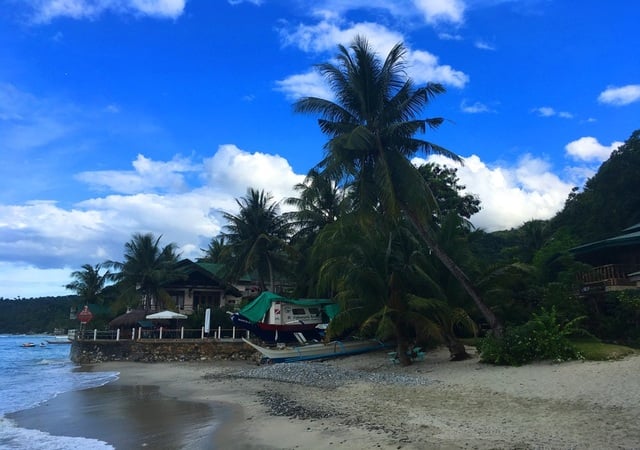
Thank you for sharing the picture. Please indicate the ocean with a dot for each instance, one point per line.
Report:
(31, 376)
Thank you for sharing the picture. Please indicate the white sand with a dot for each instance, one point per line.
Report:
(575, 405)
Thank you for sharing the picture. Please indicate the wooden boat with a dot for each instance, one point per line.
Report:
(27, 344)
(316, 351)
(274, 318)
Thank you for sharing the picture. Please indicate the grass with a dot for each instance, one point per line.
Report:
(593, 350)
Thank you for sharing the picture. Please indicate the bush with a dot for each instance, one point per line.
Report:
(541, 338)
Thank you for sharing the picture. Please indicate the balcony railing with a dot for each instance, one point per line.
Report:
(609, 277)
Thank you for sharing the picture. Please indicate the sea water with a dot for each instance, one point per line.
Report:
(30, 376)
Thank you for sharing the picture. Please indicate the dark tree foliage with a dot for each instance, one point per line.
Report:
(609, 201)
(36, 315)
(447, 191)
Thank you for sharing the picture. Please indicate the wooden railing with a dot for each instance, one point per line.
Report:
(224, 334)
(608, 277)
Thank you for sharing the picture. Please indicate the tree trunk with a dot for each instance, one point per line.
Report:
(402, 353)
(495, 324)
(457, 352)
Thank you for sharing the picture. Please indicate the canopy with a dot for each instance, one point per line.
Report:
(129, 319)
(166, 315)
(256, 310)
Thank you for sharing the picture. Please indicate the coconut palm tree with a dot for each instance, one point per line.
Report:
(257, 237)
(371, 127)
(320, 202)
(147, 267)
(88, 283)
(384, 286)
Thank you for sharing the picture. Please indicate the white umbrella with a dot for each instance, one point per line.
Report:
(166, 315)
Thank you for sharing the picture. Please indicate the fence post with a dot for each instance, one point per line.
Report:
(181, 332)
(219, 332)
(233, 333)
(202, 333)
(95, 334)
(139, 333)
(161, 332)
(118, 334)
(247, 334)
(133, 334)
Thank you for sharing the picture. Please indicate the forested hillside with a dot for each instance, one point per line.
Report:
(36, 315)
(610, 200)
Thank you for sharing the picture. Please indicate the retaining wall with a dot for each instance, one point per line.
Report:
(90, 351)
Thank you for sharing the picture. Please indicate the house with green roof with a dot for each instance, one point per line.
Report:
(615, 262)
(202, 287)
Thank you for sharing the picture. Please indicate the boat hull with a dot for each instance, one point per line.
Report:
(309, 352)
(271, 333)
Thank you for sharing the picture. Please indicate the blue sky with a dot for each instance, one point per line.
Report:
(123, 116)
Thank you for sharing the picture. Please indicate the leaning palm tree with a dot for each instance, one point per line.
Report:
(382, 283)
(257, 237)
(88, 283)
(371, 128)
(147, 267)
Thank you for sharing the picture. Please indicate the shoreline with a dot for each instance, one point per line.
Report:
(364, 401)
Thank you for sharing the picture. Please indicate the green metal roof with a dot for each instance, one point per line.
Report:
(630, 236)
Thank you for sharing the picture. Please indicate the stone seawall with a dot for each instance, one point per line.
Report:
(90, 351)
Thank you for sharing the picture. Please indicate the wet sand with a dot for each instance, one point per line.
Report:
(129, 414)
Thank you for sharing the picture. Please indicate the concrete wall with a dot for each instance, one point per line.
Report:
(89, 351)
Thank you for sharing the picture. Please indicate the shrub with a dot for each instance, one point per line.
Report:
(541, 338)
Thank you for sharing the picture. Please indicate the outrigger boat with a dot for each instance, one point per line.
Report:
(274, 318)
(316, 351)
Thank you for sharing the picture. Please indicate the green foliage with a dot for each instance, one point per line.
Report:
(608, 203)
(617, 317)
(541, 338)
(43, 315)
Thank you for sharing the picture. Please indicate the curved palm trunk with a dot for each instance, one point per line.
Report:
(495, 324)
(457, 351)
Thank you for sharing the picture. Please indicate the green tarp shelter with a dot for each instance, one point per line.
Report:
(256, 310)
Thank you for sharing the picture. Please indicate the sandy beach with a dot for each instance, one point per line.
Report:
(433, 404)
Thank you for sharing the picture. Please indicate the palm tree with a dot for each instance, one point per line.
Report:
(383, 285)
(147, 267)
(371, 128)
(320, 202)
(88, 283)
(257, 237)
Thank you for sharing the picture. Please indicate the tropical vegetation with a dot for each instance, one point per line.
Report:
(392, 242)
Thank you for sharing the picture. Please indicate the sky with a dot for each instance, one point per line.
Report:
(125, 116)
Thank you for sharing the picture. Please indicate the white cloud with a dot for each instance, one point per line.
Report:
(147, 175)
(449, 36)
(620, 96)
(233, 170)
(424, 67)
(45, 11)
(547, 111)
(589, 149)
(326, 35)
(436, 11)
(510, 196)
(40, 282)
(482, 45)
(474, 108)
(310, 84)
(42, 236)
